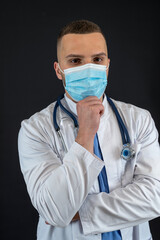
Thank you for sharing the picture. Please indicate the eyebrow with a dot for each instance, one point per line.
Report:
(99, 54)
(81, 56)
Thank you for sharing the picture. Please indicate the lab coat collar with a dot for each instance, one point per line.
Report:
(73, 109)
(71, 105)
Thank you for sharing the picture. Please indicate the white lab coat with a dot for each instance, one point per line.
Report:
(61, 184)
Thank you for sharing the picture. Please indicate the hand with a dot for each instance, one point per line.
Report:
(89, 111)
(76, 217)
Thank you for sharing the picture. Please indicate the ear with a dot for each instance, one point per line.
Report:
(57, 70)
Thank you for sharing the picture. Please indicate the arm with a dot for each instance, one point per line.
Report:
(135, 203)
(56, 190)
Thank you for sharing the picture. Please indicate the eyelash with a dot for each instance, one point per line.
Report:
(98, 58)
(78, 60)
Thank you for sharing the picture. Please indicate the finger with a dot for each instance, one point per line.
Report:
(90, 102)
(102, 112)
(90, 98)
(76, 217)
(98, 108)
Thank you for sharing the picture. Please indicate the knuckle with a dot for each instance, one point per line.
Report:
(79, 104)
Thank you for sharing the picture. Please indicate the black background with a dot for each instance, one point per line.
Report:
(28, 82)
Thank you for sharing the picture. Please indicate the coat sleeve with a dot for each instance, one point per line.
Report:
(57, 190)
(138, 201)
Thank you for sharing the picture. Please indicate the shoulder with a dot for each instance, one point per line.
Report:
(39, 122)
(138, 120)
(131, 111)
(43, 115)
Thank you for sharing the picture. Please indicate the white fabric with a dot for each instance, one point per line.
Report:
(86, 66)
(61, 184)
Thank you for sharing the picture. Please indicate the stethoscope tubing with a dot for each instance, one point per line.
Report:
(127, 152)
(123, 129)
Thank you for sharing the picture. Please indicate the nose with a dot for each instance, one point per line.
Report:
(87, 60)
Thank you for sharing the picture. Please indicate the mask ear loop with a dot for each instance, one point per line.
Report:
(60, 68)
(64, 73)
(107, 66)
(63, 81)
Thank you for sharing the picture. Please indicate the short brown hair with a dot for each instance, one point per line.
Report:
(79, 27)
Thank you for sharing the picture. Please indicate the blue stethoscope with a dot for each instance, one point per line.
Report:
(127, 152)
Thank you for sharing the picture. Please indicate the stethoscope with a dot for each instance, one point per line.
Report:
(127, 152)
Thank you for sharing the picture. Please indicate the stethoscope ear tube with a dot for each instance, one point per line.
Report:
(57, 128)
(67, 112)
(55, 118)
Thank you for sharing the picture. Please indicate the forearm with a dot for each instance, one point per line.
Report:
(124, 207)
(63, 192)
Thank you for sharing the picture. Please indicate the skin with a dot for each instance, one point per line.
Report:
(79, 49)
(76, 50)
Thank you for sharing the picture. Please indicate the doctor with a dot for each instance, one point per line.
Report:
(79, 183)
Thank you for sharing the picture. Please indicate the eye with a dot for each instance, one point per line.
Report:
(75, 61)
(98, 59)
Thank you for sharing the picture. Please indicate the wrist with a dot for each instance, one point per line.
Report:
(85, 141)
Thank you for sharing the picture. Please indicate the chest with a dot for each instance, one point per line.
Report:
(119, 172)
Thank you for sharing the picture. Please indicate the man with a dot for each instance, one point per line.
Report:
(65, 174)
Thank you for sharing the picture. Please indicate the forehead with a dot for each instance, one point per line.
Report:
(82, 44)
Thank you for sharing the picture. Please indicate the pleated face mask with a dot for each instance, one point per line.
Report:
(86, 80)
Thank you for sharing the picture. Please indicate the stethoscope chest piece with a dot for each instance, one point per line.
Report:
(127, 152)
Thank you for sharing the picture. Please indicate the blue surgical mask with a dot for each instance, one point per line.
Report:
(87, 80)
